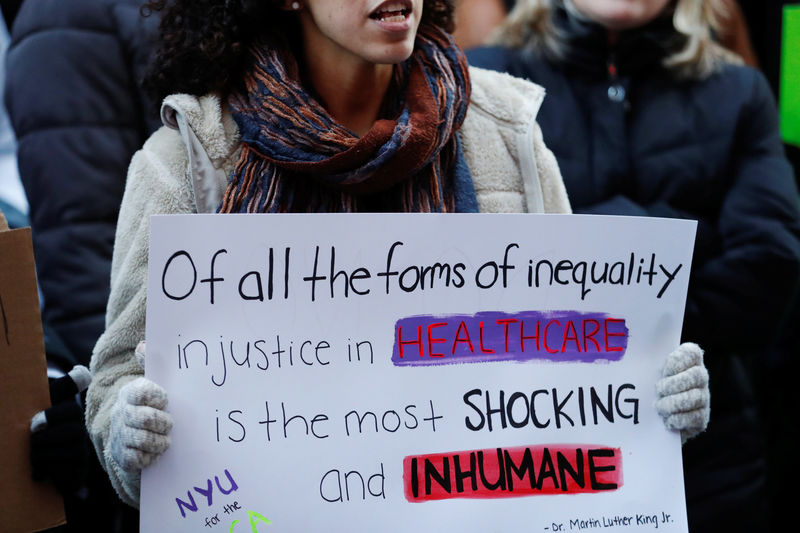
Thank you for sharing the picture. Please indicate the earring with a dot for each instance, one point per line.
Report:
(295, 6)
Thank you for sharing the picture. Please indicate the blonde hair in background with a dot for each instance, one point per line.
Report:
(530, 24)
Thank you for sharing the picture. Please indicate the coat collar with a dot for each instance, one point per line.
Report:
(587, 48)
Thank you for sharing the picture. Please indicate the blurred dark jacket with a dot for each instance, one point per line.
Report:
(72, 92)
(632, 140)
(74, 99)
(9, 9)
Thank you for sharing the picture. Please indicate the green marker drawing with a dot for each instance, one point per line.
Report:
(790, 76)
(233, 524)
(258, 517)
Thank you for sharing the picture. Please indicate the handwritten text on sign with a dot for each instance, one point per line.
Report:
(468, 372)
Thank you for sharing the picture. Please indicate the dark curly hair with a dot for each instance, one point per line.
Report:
(202, 42)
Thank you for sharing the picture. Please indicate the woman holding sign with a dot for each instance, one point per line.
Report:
(316, 106)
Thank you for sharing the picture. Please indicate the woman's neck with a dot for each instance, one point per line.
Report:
(351, 89)
(353, 96)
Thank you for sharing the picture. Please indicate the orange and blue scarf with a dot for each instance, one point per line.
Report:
(296, 158)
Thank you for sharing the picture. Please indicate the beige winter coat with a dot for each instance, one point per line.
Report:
(183, 168)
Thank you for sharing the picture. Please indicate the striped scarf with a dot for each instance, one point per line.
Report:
(296, 158)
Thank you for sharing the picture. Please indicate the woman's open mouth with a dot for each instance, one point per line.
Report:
(392, 12)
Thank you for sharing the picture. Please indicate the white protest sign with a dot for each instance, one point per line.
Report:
(466, 373)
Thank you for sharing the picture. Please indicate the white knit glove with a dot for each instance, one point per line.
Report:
(684, 400)
(139, 429)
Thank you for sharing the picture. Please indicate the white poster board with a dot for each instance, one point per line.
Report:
(470, 373)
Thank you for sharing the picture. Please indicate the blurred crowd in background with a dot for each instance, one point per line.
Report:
(75, 113)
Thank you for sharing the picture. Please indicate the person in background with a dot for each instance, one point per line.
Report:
(649, 116)
(316, 106)
(477, 19)
(73, 96)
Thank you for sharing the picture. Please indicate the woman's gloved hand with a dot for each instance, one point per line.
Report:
(140, 426)
(59, 442)
(684, 399)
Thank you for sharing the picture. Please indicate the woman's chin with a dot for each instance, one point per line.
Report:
(622, 23)
(392, 54)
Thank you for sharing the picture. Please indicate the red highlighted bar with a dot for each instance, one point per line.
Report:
(513, 472)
